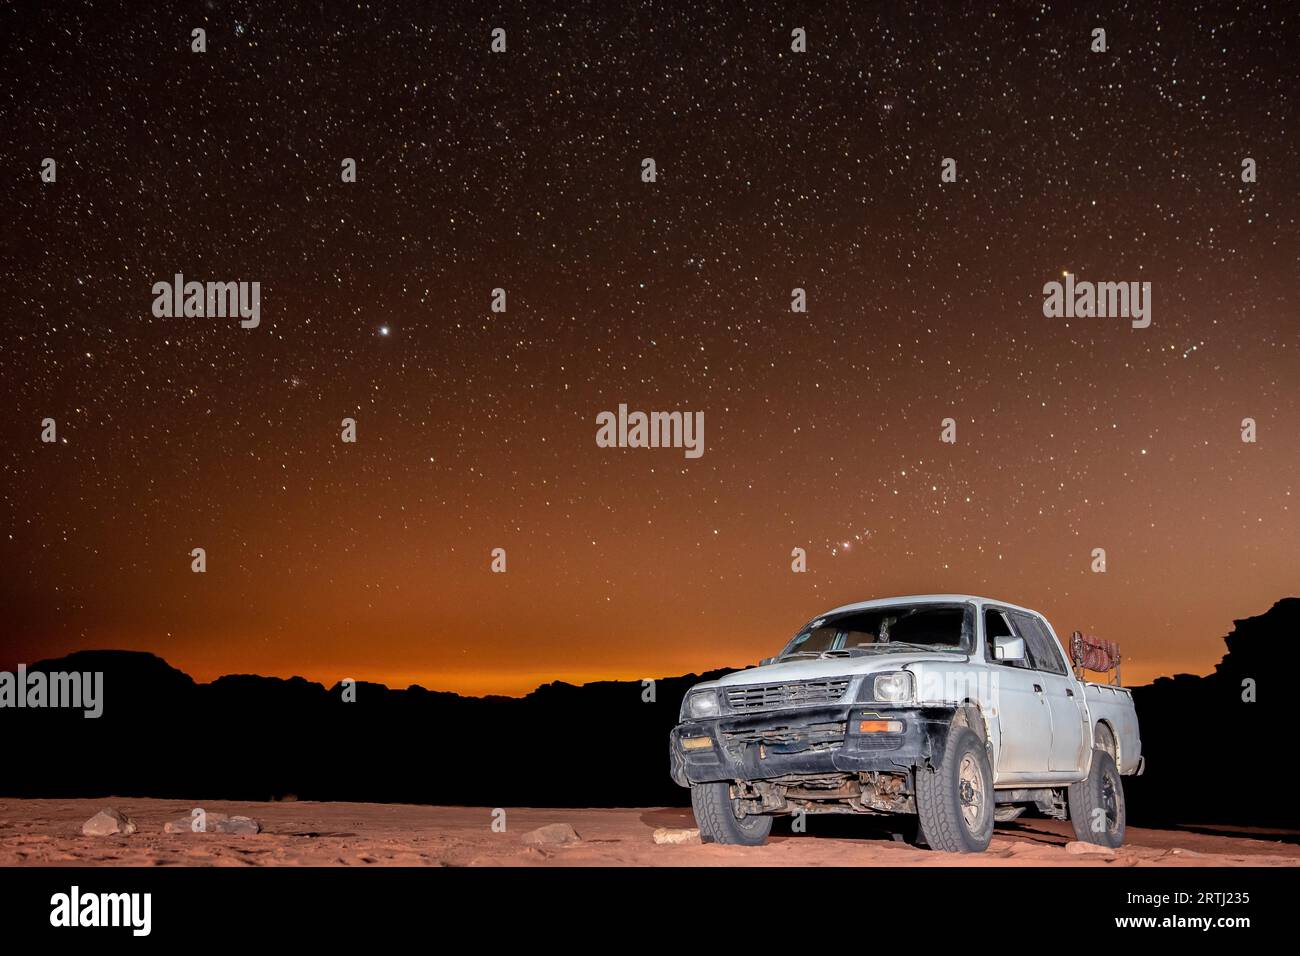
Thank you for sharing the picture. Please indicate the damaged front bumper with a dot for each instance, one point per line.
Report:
(810, 740)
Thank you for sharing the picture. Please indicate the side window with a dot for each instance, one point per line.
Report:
(996, 625)
(1042, 647)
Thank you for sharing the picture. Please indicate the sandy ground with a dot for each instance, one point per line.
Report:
(48, 833)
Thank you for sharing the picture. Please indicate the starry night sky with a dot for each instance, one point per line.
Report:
(477, 430)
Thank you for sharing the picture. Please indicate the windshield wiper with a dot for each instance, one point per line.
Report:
(838, 652)
(922, 647)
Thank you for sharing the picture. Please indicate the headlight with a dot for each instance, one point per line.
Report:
(702, 703)
(895, 687)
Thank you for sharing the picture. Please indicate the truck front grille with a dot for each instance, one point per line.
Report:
(813, 735)
(768, 696)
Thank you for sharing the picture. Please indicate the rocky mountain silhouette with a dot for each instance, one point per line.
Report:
(1216, 745)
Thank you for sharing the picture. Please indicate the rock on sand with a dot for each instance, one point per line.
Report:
(551, 834)
(109, 822)
(214, 823)
(1090, 849)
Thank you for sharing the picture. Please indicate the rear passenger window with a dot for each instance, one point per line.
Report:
(1042, 647)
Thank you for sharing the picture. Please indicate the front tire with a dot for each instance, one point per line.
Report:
(954, 800)
(715, 814)
(1097, 803)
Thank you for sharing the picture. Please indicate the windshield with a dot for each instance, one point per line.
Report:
(939, 627)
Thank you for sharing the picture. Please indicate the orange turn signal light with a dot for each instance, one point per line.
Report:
(697, 743)
(880, 727)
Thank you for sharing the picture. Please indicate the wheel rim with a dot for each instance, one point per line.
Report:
(970, 792)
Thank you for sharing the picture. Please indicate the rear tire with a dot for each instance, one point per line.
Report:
(715, 814)
(1097, 803)
(955, 799)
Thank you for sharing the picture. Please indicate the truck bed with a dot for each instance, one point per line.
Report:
(1113, 705)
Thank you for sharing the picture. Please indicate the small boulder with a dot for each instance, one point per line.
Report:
(1090, 849)
(109, 822)
(190, 824)
(239, 824)
(214, 823)
(676, 835)
(552, 834)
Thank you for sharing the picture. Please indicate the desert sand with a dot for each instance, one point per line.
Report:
(48, 833)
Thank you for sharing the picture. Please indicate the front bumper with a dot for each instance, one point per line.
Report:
(812, 740)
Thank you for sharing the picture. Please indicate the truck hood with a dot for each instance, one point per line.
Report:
(810, 668)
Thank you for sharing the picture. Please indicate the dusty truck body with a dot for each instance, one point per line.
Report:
(948, 711)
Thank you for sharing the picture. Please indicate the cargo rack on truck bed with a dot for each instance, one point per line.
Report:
(1091, 653)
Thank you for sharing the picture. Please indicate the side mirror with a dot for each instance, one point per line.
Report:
(1009, 648)
(767, 660)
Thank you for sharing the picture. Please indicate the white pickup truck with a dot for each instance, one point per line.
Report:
(950, 709)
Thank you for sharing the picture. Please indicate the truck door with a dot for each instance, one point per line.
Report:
(1062, 691)
(1023, 714)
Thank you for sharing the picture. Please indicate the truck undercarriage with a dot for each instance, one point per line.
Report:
(872, 792)
(863, 792)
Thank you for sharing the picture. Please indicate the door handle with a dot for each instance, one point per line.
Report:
(1038, 688)
(1069, 692)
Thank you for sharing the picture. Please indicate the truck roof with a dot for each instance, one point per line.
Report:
(928, 599)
